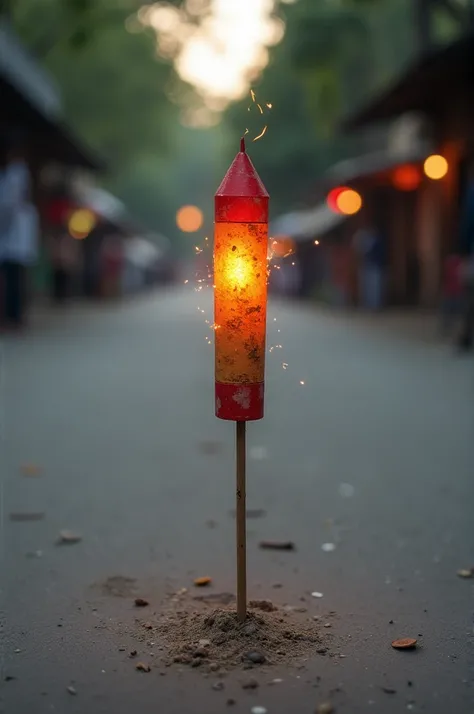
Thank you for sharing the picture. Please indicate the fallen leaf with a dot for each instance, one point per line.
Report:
(141, 602)
(277, 545)
(68, 538)
(466, 573)
(30, 470)
(405, 643)
(143, 667)
(202, 582)
(21, 517)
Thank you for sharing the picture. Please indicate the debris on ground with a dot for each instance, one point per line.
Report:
(68, 538)
(264, 605)
(30, 470)
(258, 710)
(132, 654)
(254, 657)
(9, 678)
(250, 684)
(119, 586)
(216, 598)
(316, 594)
(277, 545)
(230, 702)
(141, 602)
(325, 708)
(388, 690)
(202, 582)
(465, 573)
(218, 686)
(276, 681)
(405, 643)
(72, 690)
(328, 547)
(251, 513)
(264, 637)
(142, 667)
(26, 516)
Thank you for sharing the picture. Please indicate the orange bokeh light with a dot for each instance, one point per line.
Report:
(406, 178)
(435, 167)
(189, 219)
(349, 202)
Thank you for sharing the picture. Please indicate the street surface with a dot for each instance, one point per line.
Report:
(373, 454)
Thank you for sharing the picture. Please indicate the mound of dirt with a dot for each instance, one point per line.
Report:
(217, 638)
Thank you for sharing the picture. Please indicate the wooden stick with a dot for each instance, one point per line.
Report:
(241, 524)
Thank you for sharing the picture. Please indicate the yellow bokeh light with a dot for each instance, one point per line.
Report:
(349, 202)
(81, 222)
(189, 219)
(435, 167)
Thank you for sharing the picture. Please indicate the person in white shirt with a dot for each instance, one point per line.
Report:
(18, 234)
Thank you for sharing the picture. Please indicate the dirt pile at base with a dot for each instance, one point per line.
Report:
(215, 639)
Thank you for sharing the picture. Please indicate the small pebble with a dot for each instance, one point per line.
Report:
(466, 573)
(133, 653)
(258, 710)
(142, 667)
(327, 624)
(328, 547)
(250, 684)
(204, 643)
(316, 594)
(68, 538)
(72, 690)
(141, 602)
(201, 652)
(276, 681)
(214, 667)
(254, 657)
(196, 662)
(218, 686)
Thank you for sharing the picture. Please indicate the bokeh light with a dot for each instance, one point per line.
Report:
(406, 178)
(189, 219)
(349, 202)
(80, 223)
(435, 167)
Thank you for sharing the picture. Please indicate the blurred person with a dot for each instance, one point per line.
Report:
(65, 261)
(370, 248)
(466, 336)
(19, 228)
(452, 291)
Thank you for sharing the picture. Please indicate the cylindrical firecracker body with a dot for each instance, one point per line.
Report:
(240, 291)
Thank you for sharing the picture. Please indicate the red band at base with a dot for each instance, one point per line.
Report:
(239, 402)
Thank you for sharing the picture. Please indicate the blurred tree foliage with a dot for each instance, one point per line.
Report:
(111, 80)
(333, 57)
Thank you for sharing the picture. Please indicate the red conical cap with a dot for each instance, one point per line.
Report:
(241, 197)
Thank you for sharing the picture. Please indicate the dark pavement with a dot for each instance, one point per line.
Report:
(114, 403)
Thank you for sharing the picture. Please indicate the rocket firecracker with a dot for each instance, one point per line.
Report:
(240, 291)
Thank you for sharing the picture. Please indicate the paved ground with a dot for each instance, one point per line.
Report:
(113, 404)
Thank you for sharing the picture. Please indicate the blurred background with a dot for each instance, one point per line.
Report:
(126, 113)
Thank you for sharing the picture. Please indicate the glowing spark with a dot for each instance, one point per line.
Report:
(262, 133)
(260, 109)
(269, 105)
(186, 282)
(246, 132)
(253, 95)
(284, 365)
(302, 382)
(316, 242)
